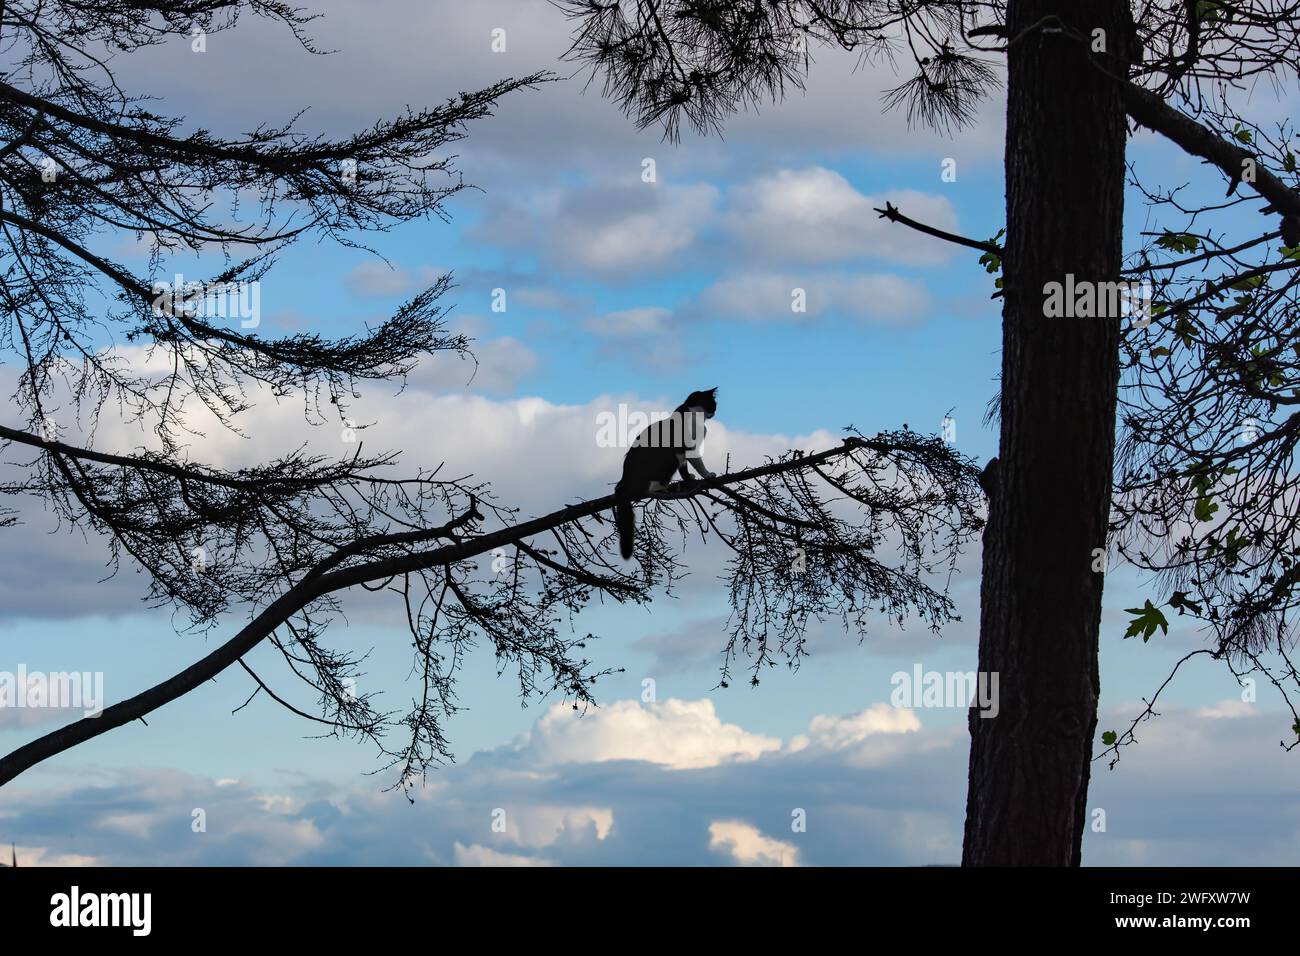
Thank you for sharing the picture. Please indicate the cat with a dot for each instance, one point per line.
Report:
(662, 448)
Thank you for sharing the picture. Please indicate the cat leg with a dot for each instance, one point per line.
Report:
(698, 464)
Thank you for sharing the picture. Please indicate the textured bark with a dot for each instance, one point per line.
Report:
(1040, 600)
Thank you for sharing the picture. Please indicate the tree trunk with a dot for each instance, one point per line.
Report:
(1040, 599)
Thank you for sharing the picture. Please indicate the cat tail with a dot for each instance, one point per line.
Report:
(625, 522)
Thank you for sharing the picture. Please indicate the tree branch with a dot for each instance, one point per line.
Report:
(891, 213)
(1151, 111)
(324, 579)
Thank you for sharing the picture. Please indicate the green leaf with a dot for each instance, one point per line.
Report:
(1145, 621)
(1233, 545)
(1159, 350)
(1179, 603)
(1242, 305)
(1207, 11)
(1178, 242)
(1205, 508)
(1201, 477)
(1109, 737)
(992, 261)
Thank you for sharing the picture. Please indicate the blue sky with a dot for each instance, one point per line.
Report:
(618, 291)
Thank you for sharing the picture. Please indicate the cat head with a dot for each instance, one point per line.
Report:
(707, 400)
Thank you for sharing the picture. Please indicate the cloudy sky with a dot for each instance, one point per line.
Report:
(618, 291)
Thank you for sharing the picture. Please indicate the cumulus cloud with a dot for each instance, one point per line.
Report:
(647, 234)
(477, 855)
(831, 732)
(873, 737)
(677, 734)
(420, 52)
(108, 822)
(562, 444)
(542, 826)
(812, 218)
(816, 215)
(496, 367)
(1229, 709)
(607, 229)
(472, 434)
(629, 783)
(746, 845)
(617, 798)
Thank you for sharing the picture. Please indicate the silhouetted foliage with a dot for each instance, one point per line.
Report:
(1213, 515)
(280, 541)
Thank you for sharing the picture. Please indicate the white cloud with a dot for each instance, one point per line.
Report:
(1162, 807)
(810, 218)
(872, 297)
(278, 803)
(421, 51)
(496, 367)
(487, 437)
(478, 855)
(541, 826)
(815, 215)
(1229, 709)
(874, 737)
(134, 824)
(678, 734)
(609, 229)
(644, 238)
(830, 732)
(28, 856)
(748, 846)
(536, 454)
